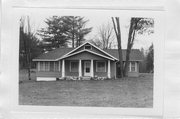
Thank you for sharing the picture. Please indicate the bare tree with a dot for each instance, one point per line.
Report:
(106, 35)
(26, 36)
(96, 42)
(137, 25)
(28, 44)
(118, 37)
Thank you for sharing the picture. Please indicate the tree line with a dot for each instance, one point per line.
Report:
(147, 65)
(64, 31)
(70, 31)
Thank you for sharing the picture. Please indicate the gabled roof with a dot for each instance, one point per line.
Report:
(112, 54)
(94, 47)
(89, 51)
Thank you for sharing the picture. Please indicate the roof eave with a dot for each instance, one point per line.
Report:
(66, 56)
(34, 60)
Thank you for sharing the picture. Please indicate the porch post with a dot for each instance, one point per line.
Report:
(109, 69)
(63, 68)
(80, 68)
(92, 68)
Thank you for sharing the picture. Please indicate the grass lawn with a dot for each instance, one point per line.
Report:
(131, 92)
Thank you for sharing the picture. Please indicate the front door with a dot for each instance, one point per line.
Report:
(87, 68)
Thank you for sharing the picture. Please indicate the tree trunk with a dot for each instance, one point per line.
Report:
(120, 60)
(129, 45)
(125, 71)
(118, 36)
(29, 63)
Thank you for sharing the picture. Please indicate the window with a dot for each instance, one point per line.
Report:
(42, 66)
(129, 66)
(46, 66)
(87, 47)
(132, 67)
(100, 66)
(73, 66)
(51, 66)
(56, 66)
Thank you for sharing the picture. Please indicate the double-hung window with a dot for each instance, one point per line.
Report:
(74, 66)
(42, 66)
(46, 66)
(100, 66)
(54, 66)
(132, 67)
(51, 66)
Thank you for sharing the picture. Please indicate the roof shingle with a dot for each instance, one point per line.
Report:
(135, 54)
(54, 54)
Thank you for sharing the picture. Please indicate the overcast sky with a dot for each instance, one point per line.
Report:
(95, 21)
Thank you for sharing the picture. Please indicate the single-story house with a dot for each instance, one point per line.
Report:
(87, 60)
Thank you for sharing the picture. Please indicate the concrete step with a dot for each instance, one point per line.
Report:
(86, 78)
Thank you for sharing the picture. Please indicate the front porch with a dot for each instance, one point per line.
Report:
(86, 68)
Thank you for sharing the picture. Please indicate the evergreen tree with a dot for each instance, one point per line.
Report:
(62, 30)
(54, 35)
(142, 64)
(77, 30)
(150, 59)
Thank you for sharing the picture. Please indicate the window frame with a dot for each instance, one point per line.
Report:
(41, 66)
(56, 70)
(48, 66)
(135, 66)
(97, 66)
(87, 45)
(71, 66)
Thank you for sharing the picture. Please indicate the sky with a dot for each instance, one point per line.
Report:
(95, 21)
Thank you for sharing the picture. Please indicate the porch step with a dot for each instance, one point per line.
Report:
(86, 78)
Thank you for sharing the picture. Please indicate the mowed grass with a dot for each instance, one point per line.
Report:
(130, 92)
